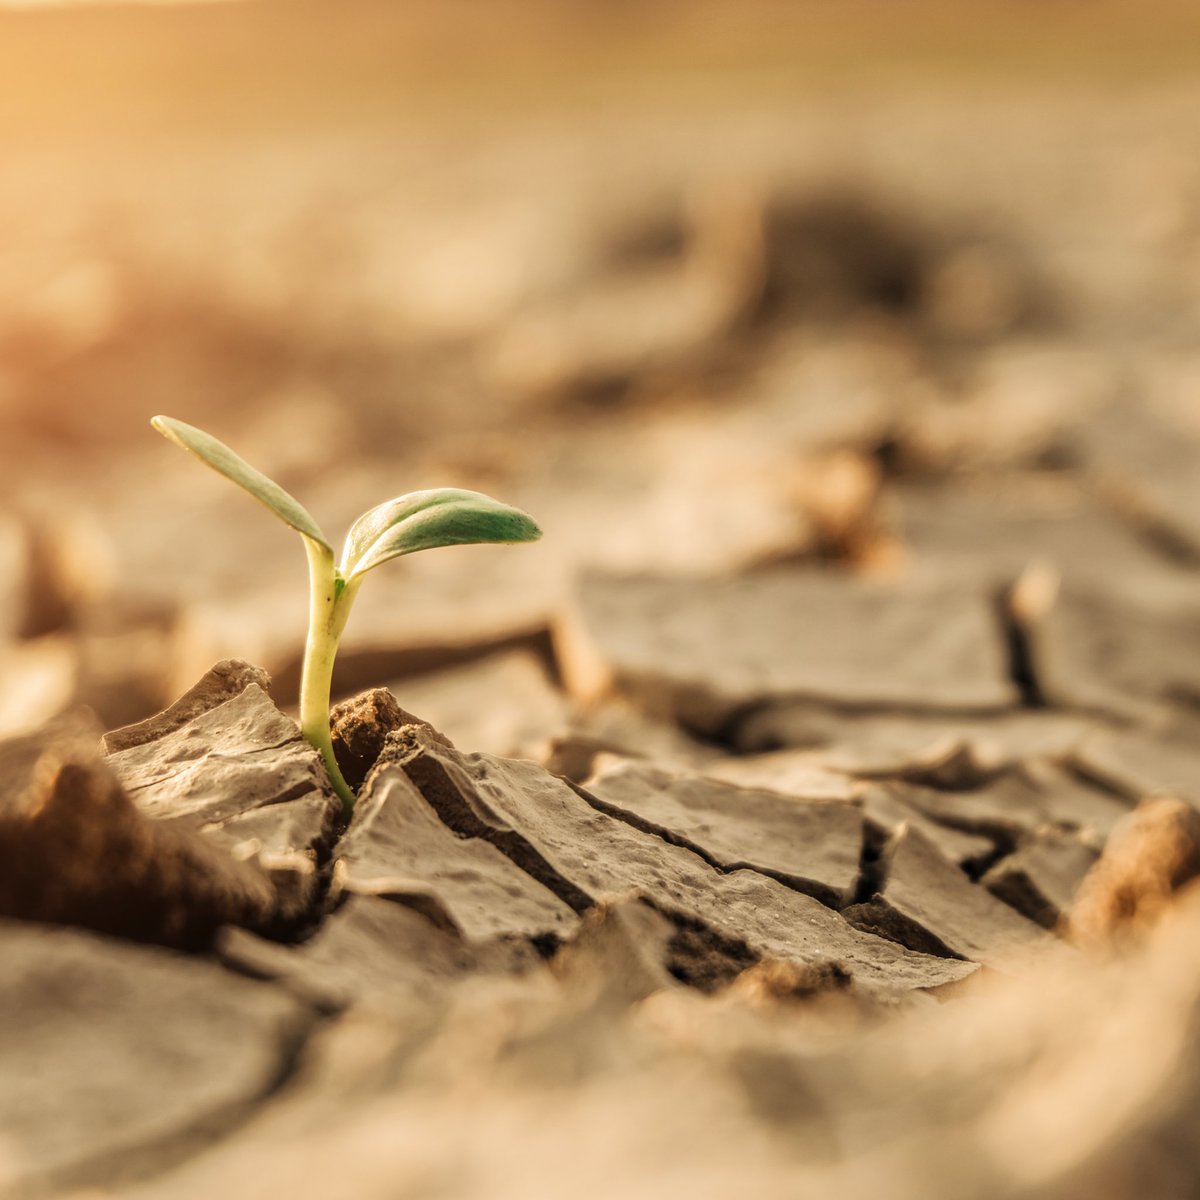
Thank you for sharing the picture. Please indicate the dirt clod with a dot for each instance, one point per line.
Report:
(360, 726)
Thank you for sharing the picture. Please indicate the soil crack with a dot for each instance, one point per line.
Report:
(808, 887)
(465, 814)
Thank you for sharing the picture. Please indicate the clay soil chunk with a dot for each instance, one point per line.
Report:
(223, 758)
(885, 809)
(397, 847)
(956, 752)
(1040, 880)
(703, 651)
(810, 844)
(306, 825)
(243, 754)
(1095, 650)
(114, 1055)
(928, 903)
(585, 855)
(1016, 804)
(1137, 765)
(289, 840)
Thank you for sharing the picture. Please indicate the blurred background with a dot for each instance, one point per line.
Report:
(893, 288)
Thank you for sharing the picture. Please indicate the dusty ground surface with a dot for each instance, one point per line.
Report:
(813, 812)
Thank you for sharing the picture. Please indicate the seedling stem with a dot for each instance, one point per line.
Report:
(329, 602)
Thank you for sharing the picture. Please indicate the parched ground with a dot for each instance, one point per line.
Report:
(813, 812)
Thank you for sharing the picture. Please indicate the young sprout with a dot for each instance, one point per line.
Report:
(418, 521)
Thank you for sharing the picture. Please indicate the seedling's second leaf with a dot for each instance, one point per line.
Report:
(375, 522)
(219, 456)
(423, 520)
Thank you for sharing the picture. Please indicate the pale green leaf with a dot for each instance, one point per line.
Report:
(219, 456)
(423, 520)
(367, 530)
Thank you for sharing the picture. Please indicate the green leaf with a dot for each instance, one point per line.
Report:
(423, 520)
(367, 530)
(219, 456)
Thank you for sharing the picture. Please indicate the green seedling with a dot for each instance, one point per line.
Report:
(417, 521)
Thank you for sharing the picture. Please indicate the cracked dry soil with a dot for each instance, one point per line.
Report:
(843, 975)
(775, 826)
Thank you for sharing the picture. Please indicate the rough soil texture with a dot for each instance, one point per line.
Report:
(814, 812)
(485, 935)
